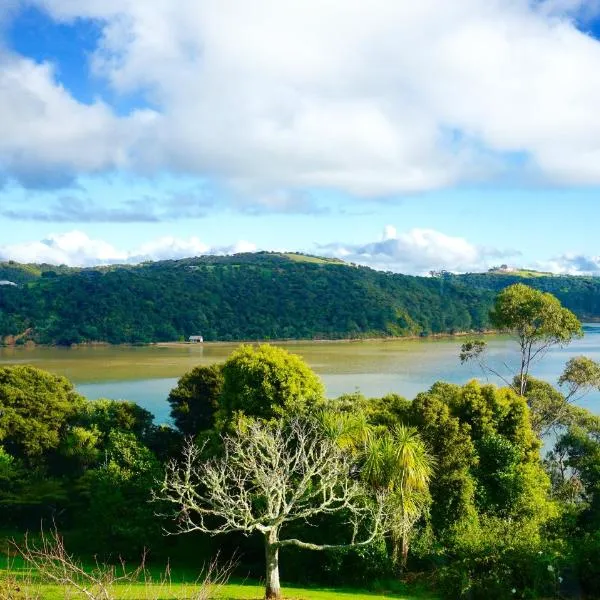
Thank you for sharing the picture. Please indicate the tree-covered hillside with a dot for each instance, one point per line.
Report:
(252, 296)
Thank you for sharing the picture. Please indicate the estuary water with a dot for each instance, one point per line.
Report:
(145, 374)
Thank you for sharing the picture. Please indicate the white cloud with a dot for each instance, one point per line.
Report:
(48, 137)
(394, 97)
(416, 251)
(71, 248)
(583, 10)
(572, 264)
(419, 251)
(75, 248)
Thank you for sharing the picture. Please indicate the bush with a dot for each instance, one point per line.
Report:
(500, 559)
(586, 558)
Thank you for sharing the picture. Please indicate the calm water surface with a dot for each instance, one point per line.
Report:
(146, 374)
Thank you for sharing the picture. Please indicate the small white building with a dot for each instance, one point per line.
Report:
(6, 282)
(196, 339)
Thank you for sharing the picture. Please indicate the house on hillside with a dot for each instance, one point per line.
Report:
(195, 339)
(6, 282)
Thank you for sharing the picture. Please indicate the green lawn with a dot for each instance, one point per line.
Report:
(181, 586)
(232, 591)
(176, 590)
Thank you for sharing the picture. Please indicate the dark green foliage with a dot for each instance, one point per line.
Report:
(35, 408)
(119, 514)
(254, 296)
(110, 415)
(586, 562)
(453, 487)
(578, 294)
(195, 399)
(494, 524)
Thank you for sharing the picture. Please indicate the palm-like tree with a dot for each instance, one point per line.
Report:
(399, 464)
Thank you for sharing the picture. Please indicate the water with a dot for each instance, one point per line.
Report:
(407, 367)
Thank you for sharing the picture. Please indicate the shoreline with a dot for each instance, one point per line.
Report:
(292, 341)
(281, 341)
(284, 341)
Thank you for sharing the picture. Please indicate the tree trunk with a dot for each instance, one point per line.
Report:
(404, 553)
(273, 589)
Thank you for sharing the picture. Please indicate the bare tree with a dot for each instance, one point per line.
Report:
(270, 476)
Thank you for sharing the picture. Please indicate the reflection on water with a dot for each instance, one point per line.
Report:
(146, 374)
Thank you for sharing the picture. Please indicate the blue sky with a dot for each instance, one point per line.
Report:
(452, 135)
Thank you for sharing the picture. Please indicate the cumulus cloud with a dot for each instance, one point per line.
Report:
(416, 251)
(400, 97)
(419, 251)
(48, 138)
(573, 264)
(75, 248)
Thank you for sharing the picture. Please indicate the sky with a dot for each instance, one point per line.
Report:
(407, 136)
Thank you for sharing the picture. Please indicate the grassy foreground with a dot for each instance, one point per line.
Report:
(30, 589)
(20, 581)
(230, 591)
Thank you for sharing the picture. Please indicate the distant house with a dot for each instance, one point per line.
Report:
(196, 339)
(6, 282)
(502, 269)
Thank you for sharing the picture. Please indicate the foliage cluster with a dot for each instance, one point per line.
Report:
(258, 296)
(468, 498)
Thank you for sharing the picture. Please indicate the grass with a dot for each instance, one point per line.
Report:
(181, 586)
(152, 583)
(527, 273)
(307, 258)
(230, 591)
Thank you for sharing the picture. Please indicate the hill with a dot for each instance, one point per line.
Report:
(254, 296)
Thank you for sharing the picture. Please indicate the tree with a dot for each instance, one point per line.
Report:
(267, 382)
(35, 408)
(453, 488)
(399, 464)
(118, 515)
(110, 415)
(580, 376)
(536, 318)
(195, 399)
(269, 476)
(548, 408)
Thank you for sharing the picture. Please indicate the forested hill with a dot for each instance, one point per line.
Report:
(250, 297)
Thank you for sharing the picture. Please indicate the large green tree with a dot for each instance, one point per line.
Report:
(537, 320)
(267, 382)
(35, 409)
(116, 510)
(195, 399)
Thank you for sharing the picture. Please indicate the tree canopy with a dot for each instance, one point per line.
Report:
(267, 382)
(35, 407)
(537, 320)
(195, 399)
